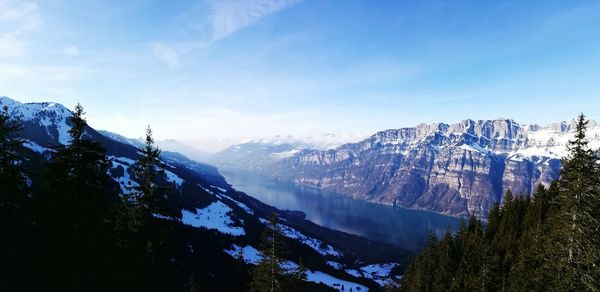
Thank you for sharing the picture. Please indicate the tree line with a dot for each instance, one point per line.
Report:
(78, 230)
(547, 242)
(68, 225)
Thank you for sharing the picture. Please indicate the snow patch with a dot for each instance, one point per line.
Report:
(333, 282)
(125, 181)
(214, 216)
(317, 245)
(171, 177)
(286, 154)
(36, 147)
(220, 189)
(354, 273)
(241, 205)
(474, 148)
(379, 273)
(335, 265)
(252, 256)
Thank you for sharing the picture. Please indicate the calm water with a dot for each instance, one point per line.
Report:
(405, 228)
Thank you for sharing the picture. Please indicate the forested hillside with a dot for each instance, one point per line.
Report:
(547, 242)
(78, 219)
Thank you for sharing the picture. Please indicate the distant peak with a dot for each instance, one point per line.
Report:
(8, 100)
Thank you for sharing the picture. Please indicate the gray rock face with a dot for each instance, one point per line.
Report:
(457, 169)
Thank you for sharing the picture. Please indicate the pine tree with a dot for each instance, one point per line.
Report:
(148, 196)
(268, 274)
(192, 284)
(296, 277)
(421, 273)
(15, 205)
(526, 272)
(75, 208)
(469, 271)
(547, 242)
(77, 173)
(241, 274)
(13, 188)
(574, 251)
(447, 262)
(77, 178)
(140, 235)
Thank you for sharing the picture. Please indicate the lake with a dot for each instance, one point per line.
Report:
(408, 229)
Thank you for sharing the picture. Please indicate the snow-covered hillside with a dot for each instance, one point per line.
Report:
(206, 201)
(53, 118)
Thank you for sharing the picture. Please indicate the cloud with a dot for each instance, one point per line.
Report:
(24, 15)
(166, 54)
(10, 46)
(230, 16)
(43, 77)
(71, 51)
(16, 19)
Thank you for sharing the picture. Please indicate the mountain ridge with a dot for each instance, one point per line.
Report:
(454, 169)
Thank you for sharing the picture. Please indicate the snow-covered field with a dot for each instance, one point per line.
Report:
(241, 205)
(317, 245)
(214, 216)
(36, 147)
(174, 178)
(378, 272)
(252, 256)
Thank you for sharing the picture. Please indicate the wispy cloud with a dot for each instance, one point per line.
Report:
(230, 16)
(166, 54)
(16, 19)
(218, 19)
(23, 14)
(566, 18)
(10, 46)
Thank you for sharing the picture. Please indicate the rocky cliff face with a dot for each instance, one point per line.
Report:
(457, 169)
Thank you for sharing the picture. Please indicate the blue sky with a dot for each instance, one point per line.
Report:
(211, 73)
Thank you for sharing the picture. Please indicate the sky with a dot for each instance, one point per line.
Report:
(217, 72)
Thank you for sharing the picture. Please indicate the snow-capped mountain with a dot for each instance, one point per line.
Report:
(456, 169)
(256, 153)
(210, 205)
(47, 122)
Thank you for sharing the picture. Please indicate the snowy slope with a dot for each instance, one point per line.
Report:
(207, 202)
(53, 118)
(252, 256)
(215, 216)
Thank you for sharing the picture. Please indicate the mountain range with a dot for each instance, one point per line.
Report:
(227, 221)
(456, 169)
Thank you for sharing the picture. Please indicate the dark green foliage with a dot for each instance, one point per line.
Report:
(15, 203)
(574, 254)
(149, 195)
(76, 200)
(13, 188)
(74, 229)
(268, 275)
(547, 243)
(296, 277)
